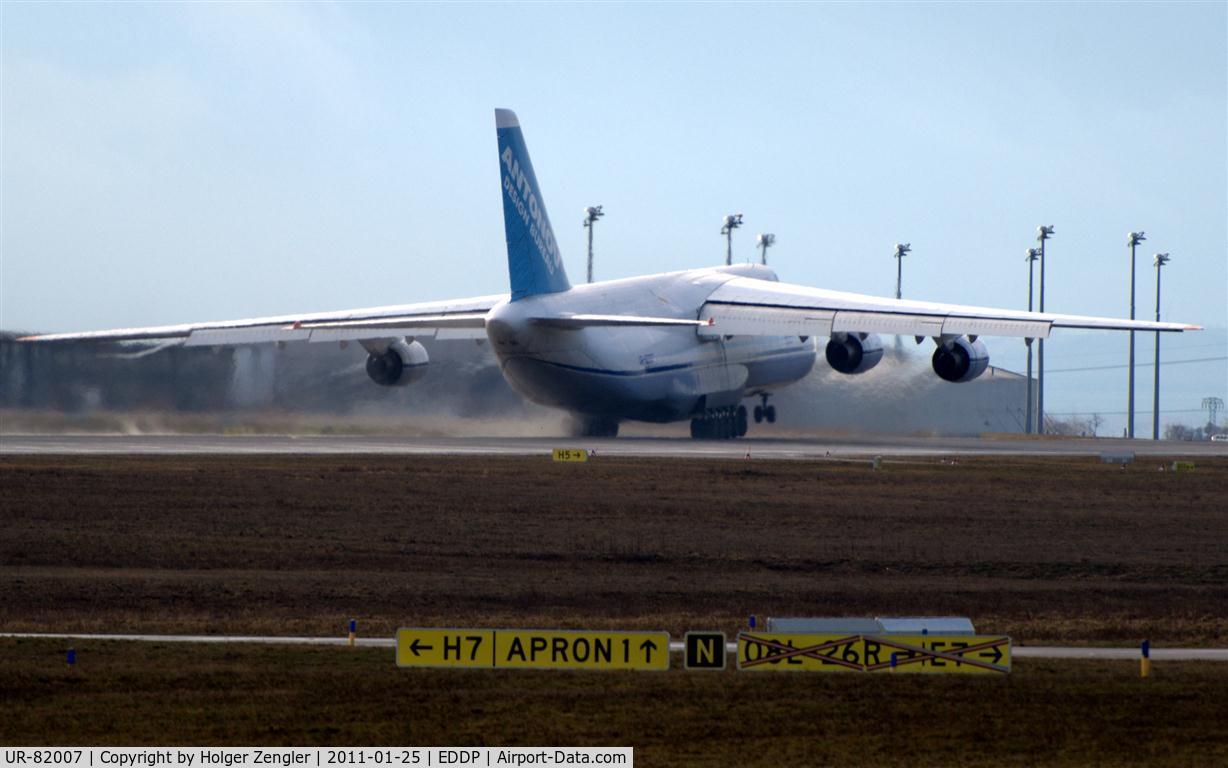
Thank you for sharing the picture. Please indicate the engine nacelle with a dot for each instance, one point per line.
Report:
(854, 352)
(401, 364)
(963, 360)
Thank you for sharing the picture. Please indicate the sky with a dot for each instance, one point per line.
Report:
(170, 162)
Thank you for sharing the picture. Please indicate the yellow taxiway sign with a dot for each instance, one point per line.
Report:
(532, 649)
(796, 652)
(445, 648)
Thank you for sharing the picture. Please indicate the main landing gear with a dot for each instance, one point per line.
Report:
(726, 423)
(765, 411)
(720, 424)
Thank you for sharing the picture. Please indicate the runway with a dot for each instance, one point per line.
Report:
(1019, 652)
(831, 447)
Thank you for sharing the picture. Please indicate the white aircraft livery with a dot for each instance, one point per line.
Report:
(678, 346)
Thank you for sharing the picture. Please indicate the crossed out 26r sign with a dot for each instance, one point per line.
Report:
(873, 653)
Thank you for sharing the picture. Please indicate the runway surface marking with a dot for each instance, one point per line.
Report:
(1029, 652)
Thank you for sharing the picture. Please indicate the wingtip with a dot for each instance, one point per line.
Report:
(506, 118)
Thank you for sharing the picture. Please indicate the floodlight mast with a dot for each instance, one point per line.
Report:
(591, 214)
(1161, 260)
(1033, 255)
(900, 250)
(1134, 239)
(765, 241)
(1043, 233)
(732, 222)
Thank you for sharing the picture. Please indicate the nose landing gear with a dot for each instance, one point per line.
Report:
(765, 411)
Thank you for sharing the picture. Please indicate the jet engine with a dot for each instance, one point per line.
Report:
(854, 352)
(400, 364)
(962, 359)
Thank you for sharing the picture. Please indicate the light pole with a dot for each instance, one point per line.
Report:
(1135, 239)
(591, 214)
(900, 250)
(1043, 233)
(731, 223)
(765, 242)
(1161, 260)
(1033, 255)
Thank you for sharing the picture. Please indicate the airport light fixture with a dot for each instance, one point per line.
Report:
(1043, 233)
(1133, 241)
(732, 222)
(900, 250)
(591, 214)
(1160, 261)
(765, 241)
(1033, 255)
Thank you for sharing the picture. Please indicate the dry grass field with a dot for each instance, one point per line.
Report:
(1046, 550)
(1068, 551)
(1045, 713)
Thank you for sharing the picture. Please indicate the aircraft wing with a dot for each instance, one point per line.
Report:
(746, 306)
(455, 319)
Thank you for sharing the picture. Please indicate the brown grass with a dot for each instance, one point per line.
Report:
(1045, 713)
(1046, 550)
(1068, 551)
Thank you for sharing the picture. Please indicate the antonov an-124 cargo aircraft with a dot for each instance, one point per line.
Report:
(678, 346)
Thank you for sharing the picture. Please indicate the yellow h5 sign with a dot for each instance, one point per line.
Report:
(570, 454)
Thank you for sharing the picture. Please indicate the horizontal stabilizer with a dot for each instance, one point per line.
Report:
(575, 322)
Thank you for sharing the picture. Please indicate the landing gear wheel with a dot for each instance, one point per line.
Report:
(720, 424)
(763, 411)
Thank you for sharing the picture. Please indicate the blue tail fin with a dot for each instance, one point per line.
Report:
(533, 259)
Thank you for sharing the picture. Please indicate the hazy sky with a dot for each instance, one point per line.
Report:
(171, 162)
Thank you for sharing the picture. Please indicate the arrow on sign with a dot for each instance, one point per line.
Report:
(921, 655)
(417, 646)
(995, 658)
(648, 646)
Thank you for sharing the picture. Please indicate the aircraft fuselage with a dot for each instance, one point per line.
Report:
(657, 374)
